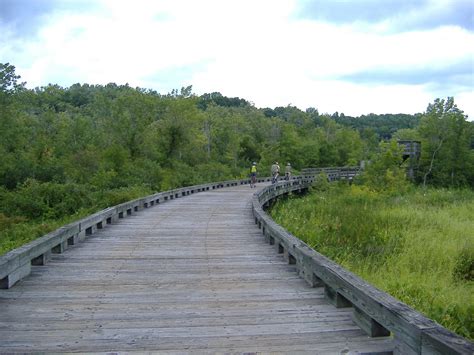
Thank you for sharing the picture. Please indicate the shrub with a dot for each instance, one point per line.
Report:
(34, 199)
(7, 222)
(385, 173)
(120, 195)
(321, 183)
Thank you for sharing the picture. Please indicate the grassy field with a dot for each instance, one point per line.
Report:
(418, 246)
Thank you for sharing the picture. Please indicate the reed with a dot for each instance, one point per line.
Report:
(417, 245)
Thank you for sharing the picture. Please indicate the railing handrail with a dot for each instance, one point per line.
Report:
(376, 312)
(16, 264)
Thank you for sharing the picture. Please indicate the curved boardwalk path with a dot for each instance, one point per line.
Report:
(190, 275)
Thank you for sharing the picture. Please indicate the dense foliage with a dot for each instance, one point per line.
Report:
(115, 136)
(385, 126)
(66, 152)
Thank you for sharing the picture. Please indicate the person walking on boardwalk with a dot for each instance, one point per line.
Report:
(287, 171)
(253, 175)
(275, 172)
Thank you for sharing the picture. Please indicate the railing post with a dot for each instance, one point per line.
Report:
(338, 300)
(15, 276)
(371, 327)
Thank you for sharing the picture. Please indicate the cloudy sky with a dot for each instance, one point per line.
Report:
(355, 57)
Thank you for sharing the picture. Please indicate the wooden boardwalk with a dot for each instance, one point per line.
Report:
(190, 275)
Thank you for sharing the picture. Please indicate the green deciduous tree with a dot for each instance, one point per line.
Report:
(385, 171)
(110, 142)
(447, 155)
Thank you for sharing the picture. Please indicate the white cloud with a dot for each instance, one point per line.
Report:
(465, 101)
(253, 49)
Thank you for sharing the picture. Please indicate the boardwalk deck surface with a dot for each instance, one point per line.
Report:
(190, 275)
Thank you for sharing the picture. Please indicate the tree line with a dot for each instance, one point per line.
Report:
(61, 148)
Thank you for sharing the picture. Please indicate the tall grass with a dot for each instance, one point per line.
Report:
(418, 246)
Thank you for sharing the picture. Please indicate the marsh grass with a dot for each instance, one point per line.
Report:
(418, 246)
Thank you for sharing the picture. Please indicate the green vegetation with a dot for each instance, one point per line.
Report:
(71, 151)
(418, 246)
(67, 152)
(384, 126)
(36, 208)
(414, 242)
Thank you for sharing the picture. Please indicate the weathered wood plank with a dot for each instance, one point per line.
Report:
(314, 343)
(193, 274)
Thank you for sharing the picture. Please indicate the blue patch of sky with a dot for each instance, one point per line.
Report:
(407, 15)
(458, 75)
(25, 17)
(174, 77)
(22, 17)
(162, 17)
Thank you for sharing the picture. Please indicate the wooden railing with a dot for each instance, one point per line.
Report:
(17, 263)
(333, 174)
(376, 312)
